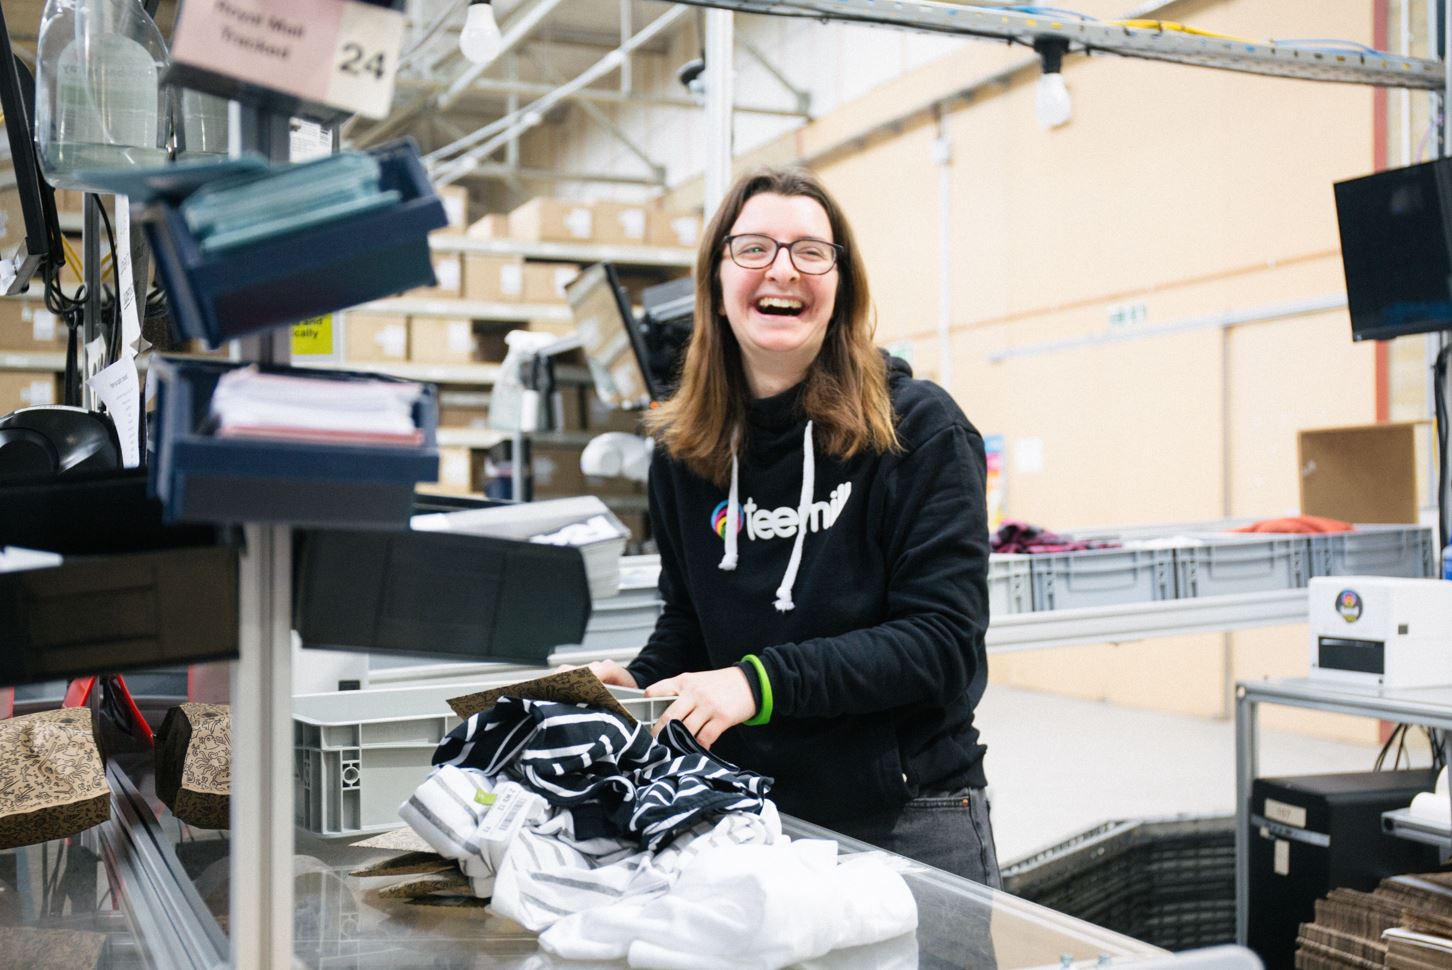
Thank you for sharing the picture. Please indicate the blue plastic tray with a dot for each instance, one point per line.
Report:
(203, 478)
(217, 297)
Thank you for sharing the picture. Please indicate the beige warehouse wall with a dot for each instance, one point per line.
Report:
(1192, 193)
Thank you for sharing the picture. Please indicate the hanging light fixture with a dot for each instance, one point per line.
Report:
(1052, 104)
(479, 41)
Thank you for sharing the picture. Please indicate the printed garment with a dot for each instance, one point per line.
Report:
(616, 780)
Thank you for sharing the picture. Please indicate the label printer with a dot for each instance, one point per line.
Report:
(1381, 631)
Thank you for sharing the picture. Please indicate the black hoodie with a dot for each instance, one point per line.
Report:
(878, 662)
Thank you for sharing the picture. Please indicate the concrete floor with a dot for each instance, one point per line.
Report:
(1058, 765)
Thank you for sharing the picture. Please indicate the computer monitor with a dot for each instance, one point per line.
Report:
(17, 265)
(1396, 250)
(611, 340)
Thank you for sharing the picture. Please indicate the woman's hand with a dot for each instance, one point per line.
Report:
(706, 703)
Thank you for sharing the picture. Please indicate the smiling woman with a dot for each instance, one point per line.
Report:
(824, 617)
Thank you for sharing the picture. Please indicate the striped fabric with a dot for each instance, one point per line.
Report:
(615, 778)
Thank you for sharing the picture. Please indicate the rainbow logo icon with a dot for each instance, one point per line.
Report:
(718, 520)
(1348, 604)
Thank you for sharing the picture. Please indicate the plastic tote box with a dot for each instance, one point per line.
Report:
(1376, 550)
(313, 270)
(1102, 577)
(466, 597)
(201, 477)
(1010, 584)
(1242, 563)
(358, 755)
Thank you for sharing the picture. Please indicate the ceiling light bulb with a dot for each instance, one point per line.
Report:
(479, 41)
(1051, 101)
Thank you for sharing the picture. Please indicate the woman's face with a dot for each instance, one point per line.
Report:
(778, 313)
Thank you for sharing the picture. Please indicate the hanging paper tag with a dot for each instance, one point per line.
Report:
(119, 387)
(130, 318)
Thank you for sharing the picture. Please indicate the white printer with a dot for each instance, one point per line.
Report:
(1381, 631)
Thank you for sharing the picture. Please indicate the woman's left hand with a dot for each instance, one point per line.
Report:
(707, 703)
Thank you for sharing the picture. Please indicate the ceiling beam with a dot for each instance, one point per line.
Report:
(490, 87)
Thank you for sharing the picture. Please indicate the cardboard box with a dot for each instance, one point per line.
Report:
(553, 220)
(376, 336)
(27, 389)
(493, 226)
(26, 325)
(1365, 473)
(556, 470)
(449, 271)
(619, 224)
(456, 471)
(674, 229)
(559, 328)
(442, 340)
(600, 417)
(456, 208)
(498, 279)
(569, 404)
(12, 222)
(546, 282)
(460, 416)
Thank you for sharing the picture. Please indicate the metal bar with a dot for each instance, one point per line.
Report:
(943, 157)
(497, 170)
(626, 29)
(1349, 65)
(1279, 311)
(1246, 748)
(605, 122)
(720, 84)
(91, 314)
(534, 111)
(802, 98)
(502, 88)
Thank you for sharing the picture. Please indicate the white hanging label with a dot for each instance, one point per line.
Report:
(119, 388)
(130, 318)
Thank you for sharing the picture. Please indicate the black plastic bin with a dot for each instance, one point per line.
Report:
(438, 594)
(129, 593)
(1169, 883)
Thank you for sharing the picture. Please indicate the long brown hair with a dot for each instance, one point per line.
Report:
(845, 392)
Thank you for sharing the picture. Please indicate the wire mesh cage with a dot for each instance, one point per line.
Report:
(1169, 882)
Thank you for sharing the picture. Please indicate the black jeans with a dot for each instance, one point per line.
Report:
(949, 831)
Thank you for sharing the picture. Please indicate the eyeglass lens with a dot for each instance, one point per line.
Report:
(811, 256)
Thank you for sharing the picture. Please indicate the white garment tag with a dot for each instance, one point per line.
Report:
(512, 807)
(130, 319)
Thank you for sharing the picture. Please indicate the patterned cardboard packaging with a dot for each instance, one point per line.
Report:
(194, 764)
(52, 782)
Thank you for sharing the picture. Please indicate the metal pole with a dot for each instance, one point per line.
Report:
(91, 313)
(260, 866)
(1246, 713)
(943, 157)
(720, 79)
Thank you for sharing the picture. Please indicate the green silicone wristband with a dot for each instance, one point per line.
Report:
(763, 716)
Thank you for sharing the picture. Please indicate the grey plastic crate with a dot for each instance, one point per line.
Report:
(358, 755)
(1376, 550)
(1010, 584)
(1250, 563)
(1102, 577)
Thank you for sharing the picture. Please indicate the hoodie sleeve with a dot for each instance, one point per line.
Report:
(930, 648)
(676, 645)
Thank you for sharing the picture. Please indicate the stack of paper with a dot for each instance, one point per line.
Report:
(249, 403)
(252, 207)
(585, 523)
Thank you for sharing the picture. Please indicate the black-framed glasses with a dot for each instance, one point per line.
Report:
(811, 256)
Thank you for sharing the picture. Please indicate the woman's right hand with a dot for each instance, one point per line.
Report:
(609, 672)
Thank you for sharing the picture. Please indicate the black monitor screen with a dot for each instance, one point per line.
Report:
(1396, 249)
(611, 339)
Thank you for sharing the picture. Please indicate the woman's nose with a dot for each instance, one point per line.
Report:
(782, 266)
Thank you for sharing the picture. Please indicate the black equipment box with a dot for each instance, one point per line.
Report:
(1310, 834)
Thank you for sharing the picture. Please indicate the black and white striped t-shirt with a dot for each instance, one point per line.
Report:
(615, 778)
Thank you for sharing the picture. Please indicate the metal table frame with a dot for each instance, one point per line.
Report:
(1427, 706)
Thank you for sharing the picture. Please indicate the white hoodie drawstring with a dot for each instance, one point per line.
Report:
(804, 510)
(733, 513)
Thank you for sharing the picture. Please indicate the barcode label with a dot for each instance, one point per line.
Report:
(512, 807)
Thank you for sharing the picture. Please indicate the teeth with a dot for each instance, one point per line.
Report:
(779, 303)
